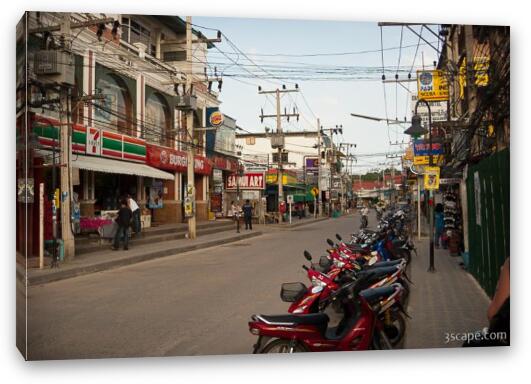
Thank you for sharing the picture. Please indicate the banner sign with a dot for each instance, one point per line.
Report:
(92, 141)
(224, 163)
(431, 178)
(425, 160)
(173, 160)
(432, 85)
(422, 148)
(247, 181)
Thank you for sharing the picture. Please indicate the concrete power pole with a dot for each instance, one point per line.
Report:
(65, 169)
(319, 186)
(190, 188)
(278, 141)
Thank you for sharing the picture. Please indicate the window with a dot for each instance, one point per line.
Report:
(250, 140)
(284, 157)
(135, 32)
(158, 120)
(116, 109)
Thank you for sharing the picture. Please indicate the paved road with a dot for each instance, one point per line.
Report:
(190, 304)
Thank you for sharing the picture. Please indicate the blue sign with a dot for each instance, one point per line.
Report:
(422, 148)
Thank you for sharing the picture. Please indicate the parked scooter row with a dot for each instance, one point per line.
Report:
(362, 281)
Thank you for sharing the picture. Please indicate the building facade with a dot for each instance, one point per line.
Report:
(117, 82)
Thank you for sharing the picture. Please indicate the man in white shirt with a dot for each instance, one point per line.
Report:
(133, 206)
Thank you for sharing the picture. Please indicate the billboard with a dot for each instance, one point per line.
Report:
(432, 85)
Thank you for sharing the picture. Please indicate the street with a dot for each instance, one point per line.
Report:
(195, 303)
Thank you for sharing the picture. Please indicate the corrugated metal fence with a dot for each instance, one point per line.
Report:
(488, 184)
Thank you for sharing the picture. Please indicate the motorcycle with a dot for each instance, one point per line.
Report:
(359, 329)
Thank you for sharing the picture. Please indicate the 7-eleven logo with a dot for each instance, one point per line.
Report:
(93, 141)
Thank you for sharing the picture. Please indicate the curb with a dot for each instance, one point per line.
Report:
(103, 266)
(161, 237)
(295, 225)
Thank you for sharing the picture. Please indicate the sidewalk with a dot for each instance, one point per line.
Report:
(444, 302)
(107, 259)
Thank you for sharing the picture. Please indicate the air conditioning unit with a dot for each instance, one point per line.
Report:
(277, 141)
(186, 102)
(55, 66)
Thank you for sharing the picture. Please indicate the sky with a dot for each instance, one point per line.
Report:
(331, 101)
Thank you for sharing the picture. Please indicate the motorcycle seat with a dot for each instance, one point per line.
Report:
(319, 320)
(373, 295)
(382, 264)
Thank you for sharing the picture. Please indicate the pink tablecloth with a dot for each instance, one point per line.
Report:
(92, 223)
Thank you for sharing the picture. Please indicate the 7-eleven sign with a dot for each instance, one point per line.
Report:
(93, 141)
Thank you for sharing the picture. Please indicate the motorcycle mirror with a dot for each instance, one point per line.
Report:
(338, 237)
(330, 242)
(307, 255)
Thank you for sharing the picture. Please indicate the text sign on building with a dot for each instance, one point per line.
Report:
(422, 148)
(432, 85)
(439, 111)
(247, 181)
(94, 136)
(312, 163)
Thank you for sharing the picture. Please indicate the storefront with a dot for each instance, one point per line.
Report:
(105, 166)
(290, 186)
(248, 186)
(173, 191)
(220, 196)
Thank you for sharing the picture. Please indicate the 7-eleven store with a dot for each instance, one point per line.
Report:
(106, 165)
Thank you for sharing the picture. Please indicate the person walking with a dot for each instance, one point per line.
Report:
(133, 206)
(439, 223)
(248, 214)
(123, 220)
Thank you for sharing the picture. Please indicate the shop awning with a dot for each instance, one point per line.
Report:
(100, 164)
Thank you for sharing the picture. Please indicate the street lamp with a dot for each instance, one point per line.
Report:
(416, 130)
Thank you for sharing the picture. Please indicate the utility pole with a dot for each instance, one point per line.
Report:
(65, 169)
(330, 160)
(277, 141)
(190, 177)
(319, 204)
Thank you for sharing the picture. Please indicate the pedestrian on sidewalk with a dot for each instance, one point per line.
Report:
(439, 223)
(248, 214)
(124, 221)
(133, 206)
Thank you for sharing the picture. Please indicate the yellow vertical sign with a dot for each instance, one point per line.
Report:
(431, 177)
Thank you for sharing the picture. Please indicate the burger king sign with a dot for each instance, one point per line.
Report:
(216, 119)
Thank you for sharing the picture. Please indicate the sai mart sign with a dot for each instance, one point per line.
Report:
(247, 181)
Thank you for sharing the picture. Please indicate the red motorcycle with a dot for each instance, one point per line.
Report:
(315, 298)
(359, 329)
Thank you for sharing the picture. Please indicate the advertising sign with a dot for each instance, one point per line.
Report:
(155, 194)
(432, 85)
(93, 141)
(214, 117)
(247, 181)
(431, 178)
(312, 163)
(422, 148)
(173, 160)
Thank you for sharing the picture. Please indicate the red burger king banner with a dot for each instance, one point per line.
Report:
(173, 160)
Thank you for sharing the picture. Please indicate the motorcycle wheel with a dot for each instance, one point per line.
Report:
(380, 341)
(396, 330)
(283, 346)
